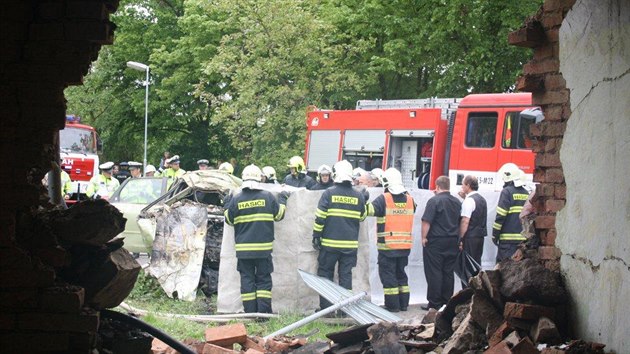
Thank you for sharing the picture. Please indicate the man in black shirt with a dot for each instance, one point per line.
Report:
(440, 224)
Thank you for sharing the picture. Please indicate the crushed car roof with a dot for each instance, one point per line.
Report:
(211, 180)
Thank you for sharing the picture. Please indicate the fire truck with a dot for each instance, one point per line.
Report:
(79, 147)
(426, 138)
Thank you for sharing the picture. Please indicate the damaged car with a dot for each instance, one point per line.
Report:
(184, 229)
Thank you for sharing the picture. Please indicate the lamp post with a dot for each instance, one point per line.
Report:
(143, 67)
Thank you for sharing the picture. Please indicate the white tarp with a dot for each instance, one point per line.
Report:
(178, 249)
(292, 250)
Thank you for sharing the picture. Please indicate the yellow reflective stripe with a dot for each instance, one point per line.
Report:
(370, 209)
(380, 220)
(320, 213)
(496, 226)
(280, 214)
(404, 289)
(520, 196)
(339, 243)
(390, 291)
(263, 294)
(267, 246)
(253, 217)
(394, 234)
(512, 237)
(352, 214)
(227, 218)
(248, 296)
(318, 227)
(515, 209)
(501, 211)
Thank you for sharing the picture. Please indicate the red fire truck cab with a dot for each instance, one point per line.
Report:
(427, 138)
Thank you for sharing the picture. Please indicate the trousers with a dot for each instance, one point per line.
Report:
(439, 258)
(256, 283)
(327, 260)
(391, 271)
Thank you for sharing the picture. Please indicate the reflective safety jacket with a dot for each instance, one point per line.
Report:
(66, 183)
(172, 174)
(394, 222)
(507, 226)
(102, 186)
(252, 212)
(340, 210)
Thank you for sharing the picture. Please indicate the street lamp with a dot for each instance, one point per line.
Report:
(143, 67)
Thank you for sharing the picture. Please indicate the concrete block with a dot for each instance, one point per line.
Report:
(226, 335)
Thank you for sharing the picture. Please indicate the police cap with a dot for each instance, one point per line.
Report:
(106, 166)
(203, 162)
(134, 164)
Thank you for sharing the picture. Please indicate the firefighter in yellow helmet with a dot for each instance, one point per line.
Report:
(507, 227)
(394, 210)
(269, 175)
(226, 167)
(252, 212)
(297, 176)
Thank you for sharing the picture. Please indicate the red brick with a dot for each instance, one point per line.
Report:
(253, 351)
(554, 175)
(552, 264)
(499, 348)
(215, 349)
(84, 322)
(554, 205)
(501, 332)
(530, 83)
(549, 252)
(526, 311)
(551, 97)
(68, 299)
(251, 344)
(525, 346)
(545, 222)
(550, 65)
(55, 257)
(560, 192)
(530, 36)
(545, 331)
(226, 335)
(553, 128)
(557, 5)
(553, 351)
(553, 112)
(26, 278)
(275, 346)
(545, 51)
(553, 145)
(548, 238)
(554, 82)
(14, 258)
(553, 19)
(18, 299)
(535, 130)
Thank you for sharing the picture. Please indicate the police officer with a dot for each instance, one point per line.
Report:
(66, 183)
(203, 164)
(103, 185)
(226, 167)
(336, 229)
(123, 173)
(394, 210)
(324, 179)
(135, 169)
(173, 171)
(507, 227)
(252, 212)
(474, 216)
(150, 171)
(269, 175)
(440, 227)
(297, 176)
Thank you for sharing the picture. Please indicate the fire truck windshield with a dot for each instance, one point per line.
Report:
(72, 139)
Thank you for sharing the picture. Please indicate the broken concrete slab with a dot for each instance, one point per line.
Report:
(468, 336)
(89, 222)
(528, 280)
(350, 335)
(384, 337)
(485, 313)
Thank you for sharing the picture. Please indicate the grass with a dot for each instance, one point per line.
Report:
(148, 295)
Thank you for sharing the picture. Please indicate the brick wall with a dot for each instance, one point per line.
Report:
(542, 77)
(46, 46)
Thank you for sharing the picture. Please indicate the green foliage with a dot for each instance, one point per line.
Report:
(234, 78)
(177, 328)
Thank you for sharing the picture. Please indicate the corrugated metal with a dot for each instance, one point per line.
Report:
(362, 311)
(364, 140)
(323, 148)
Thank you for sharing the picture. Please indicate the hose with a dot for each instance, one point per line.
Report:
(173, 343)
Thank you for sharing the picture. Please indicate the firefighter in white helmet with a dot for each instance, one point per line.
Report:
(103, 185)
(324, 178)
(336, 229)
(507, 227)
(269, 175)
(252, 212)
(297, 176)
(377, 175)
(150, 171)
(394, 210)
(226, 167)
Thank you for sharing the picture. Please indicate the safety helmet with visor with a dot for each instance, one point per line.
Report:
(297, 163)
(226, 167)
(392, 181)
(342, 172)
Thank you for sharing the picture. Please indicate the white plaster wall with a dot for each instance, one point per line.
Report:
(594, 226)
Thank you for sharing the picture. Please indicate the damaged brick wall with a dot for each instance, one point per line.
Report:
(46, 46)
(579, 76)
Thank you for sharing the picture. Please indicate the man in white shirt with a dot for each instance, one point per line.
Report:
(474, 215)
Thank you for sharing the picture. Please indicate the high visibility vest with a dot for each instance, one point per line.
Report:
(398, 223)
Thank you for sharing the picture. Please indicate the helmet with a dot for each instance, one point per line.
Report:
(227, 167)
(252, 173)
(324, 169)
(297, 163)
(510, 173)
(342, 171)
(392, 180)
(358, 172)
(150, 168)
(378, 174)
(269, 172)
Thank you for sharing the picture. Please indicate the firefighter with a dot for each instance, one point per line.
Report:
(173, 171)
(150, 171)
(377, 176)
(336, 229)
(103, 185)
(135, 169)
(324, 180)
(252, 212)
(269, 175)
(507, 227)
(297, 176)
(394, 210)
(123, 173)
(203, 164)
(226, 167)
